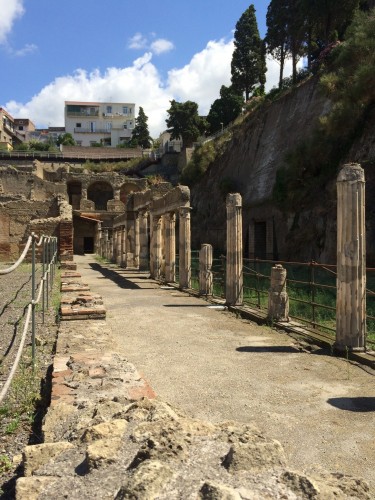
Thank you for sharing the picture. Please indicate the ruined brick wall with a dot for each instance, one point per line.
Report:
(18, 219)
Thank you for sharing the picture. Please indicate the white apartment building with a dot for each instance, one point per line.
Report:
(105, 123)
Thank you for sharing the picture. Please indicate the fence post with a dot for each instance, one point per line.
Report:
(234, 276)
(33, 300)
(278, 300)
(351, 260)
(205, 270)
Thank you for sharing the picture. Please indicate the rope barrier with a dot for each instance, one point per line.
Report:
(48, 270)
(20, 260)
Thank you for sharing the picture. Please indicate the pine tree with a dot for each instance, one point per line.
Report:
(184, 122)
(225, 109)
(140, 135)
(248, 60)
(276, 37)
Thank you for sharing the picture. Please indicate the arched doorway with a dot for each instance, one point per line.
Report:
(100, 192)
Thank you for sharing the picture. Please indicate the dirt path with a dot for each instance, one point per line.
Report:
(217, 367)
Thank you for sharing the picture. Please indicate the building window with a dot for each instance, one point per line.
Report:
(78, 125)
(92, 126)
(125, 110)
(20, 127)
(79, 143)
(130, 111)
(109, 109)
(109, 126)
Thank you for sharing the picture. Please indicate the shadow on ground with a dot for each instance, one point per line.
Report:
(364, 404)
(269, 348)
(119, 280)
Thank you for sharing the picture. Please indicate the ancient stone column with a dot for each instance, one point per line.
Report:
(116, 194)
(184, 248)
(157, 246)
(123, 246)
(112, 248)
(278, 300)
(105, 244)
(118, 246)
(136, 240)
(351, 259)
(205, 270)
(144, 256)
(170, 248)
(234, 277)
(98, 239)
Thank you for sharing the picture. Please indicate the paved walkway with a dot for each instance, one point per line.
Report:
(218, 367)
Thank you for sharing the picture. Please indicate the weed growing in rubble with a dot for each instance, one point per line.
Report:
(5, 464)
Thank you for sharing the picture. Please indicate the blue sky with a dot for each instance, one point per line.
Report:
(140, 51)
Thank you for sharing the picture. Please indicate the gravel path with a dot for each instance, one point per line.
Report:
(217, 367)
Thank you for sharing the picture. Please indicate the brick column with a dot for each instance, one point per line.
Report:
(144, 256)
(184, 248)
(205, 270)
(234, 277)
(170, 248)
(351, 259)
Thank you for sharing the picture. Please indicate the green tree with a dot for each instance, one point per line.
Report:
(140, 134)
(248, 61)
(277, 36)
(184, 122)
(66, 140)
(225, 109)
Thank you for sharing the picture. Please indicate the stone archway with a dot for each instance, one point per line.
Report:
(100, 192)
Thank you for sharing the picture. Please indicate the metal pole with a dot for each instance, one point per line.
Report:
(33, 301)
(47, 277)
(43, 277)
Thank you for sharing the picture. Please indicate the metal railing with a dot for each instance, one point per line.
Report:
(311, 288)
(39, 293)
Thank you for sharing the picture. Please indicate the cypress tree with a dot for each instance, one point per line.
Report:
(248, 60)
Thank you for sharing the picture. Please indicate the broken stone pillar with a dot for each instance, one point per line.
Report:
(234, 277)
(143, 241)
(205, 270)
(170, 248)
(278, 300)
(157, 247)
(136, 241)
(351, 260)
(184, 248)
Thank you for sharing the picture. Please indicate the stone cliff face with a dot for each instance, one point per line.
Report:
(249, 165)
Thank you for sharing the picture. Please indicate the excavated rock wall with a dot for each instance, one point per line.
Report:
(254, 154)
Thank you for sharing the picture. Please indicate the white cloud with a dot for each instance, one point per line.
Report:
(161, 45)
(141, 42)
(199, 80)
(29, 48)
(10, 11)
(137, 42)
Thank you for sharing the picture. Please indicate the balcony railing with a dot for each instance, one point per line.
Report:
(80, 130)
(82, 114)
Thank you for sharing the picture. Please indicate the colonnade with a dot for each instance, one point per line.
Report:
(145, 238)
